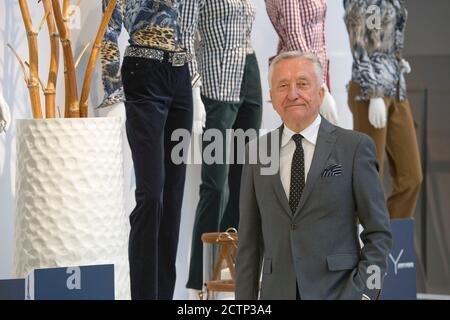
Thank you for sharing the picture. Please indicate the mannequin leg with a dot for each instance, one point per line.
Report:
(179, 117)
(360, 111)
(213, 188)
(404, 161)
(248, 117)
(147, 92)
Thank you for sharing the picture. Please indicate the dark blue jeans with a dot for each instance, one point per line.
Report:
(158, 101)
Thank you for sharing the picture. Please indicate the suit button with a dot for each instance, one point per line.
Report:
(293, 226)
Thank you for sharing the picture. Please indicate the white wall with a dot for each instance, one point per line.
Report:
(15, 92)
(427, 28)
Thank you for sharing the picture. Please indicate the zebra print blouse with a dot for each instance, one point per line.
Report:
(376, 30)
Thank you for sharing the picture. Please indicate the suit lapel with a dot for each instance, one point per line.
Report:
(276, 181)
(324, 145)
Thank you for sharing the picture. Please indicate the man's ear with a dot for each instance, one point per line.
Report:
(323, 89)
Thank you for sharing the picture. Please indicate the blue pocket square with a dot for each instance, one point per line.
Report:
(332, 170)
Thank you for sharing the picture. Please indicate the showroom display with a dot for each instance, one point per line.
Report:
(231, 92)
(300, 25)
(155, 84)
(377, 95)
(78, 208)
(69, 176)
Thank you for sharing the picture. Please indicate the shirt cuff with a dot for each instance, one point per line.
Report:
(116, 97)
(196, 81)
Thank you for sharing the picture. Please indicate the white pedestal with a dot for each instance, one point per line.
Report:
(70, 201)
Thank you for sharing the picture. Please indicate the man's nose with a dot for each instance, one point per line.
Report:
(294, 93)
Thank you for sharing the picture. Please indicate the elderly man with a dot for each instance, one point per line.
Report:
(301, 223)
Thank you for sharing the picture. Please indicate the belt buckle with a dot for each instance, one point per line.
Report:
(178, 59)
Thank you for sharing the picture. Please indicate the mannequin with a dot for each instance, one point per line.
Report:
(377, 95)
(230, 88)
(155, 85)
(300, 25)
(5, 117)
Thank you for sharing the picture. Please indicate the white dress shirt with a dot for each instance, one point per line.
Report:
(288, 147)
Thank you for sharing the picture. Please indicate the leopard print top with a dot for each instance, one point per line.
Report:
(152, 23)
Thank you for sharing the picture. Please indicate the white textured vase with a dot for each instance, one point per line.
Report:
(70, 197)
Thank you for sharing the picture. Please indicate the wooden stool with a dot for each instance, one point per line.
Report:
(227, 242)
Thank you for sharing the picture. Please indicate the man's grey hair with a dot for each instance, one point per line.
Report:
(294, 55)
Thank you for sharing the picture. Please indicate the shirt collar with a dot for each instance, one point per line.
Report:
(310, 133)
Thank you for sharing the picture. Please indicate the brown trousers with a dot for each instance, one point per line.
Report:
(398, 139)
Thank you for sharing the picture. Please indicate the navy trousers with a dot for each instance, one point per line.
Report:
(158, 101)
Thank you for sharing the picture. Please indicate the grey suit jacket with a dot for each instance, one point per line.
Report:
(317, 245)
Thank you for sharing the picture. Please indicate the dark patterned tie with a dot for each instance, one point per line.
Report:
(297, 173)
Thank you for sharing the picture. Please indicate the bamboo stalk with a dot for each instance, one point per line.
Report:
(50, 91)
(22, 64)
(71, 82)
(93, 57)
(65, 8)
(44, 18)
(66, 90)
(65, 15)
(81, 54)
(71, 13)
(41, 83)
(33, 80)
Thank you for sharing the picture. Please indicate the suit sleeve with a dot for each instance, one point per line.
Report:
(250, 246)
(373, 216)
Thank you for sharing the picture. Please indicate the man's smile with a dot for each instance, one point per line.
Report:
(295, 105)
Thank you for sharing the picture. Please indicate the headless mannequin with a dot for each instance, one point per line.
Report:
(157, 94)
(300, 25)
(377, 95)
(231, 93)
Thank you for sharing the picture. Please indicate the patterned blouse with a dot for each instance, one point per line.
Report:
(222, 29)
(152, 23)
(300, 25)
(376, 30)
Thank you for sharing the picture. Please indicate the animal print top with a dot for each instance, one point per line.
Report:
(376, 30)
(152, 23)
